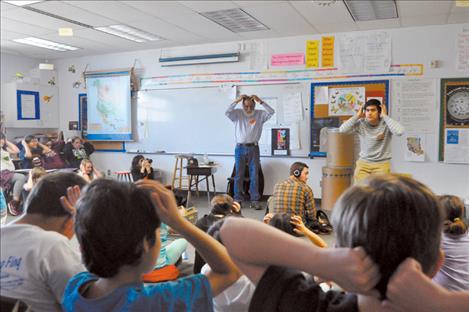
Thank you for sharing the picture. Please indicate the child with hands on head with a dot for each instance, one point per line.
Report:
(117, 226)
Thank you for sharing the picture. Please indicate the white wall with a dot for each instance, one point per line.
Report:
(12, 64)
(410, 45)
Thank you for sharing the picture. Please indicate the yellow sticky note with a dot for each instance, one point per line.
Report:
(328, 51)
(66, 32)
(312, 53)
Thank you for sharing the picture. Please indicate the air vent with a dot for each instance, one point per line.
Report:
(371, 10)
(235, 20)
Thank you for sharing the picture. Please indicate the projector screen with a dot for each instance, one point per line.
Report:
(109, 106)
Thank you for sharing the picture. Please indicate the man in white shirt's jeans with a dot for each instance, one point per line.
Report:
(248, 129)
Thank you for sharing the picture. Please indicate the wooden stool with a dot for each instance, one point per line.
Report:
(124, 176)
(178, 172)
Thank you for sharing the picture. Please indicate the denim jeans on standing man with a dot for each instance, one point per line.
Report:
(249, 154)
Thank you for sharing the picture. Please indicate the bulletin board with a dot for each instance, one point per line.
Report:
(454, 121)
(334, 102)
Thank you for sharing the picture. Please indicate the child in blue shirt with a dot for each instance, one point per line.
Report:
(117, 226)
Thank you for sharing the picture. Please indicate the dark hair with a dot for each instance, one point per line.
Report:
(282, 221)
(454, 208)
(222, 204)
(393, 218)
(297, 166)
(373, 102)
(3, 137)
(29, 138)
(74, 138)
(214, 230)
(136, 162)
(44, 198)
(113, 218)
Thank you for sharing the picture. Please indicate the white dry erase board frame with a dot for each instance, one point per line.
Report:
(192, 120)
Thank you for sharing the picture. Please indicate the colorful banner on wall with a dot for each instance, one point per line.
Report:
(312, 53)
(327, 51)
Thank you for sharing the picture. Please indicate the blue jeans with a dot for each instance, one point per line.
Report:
(249, 154)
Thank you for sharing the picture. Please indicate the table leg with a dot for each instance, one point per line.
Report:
(208, 191)
(213, 183)
(189, 192)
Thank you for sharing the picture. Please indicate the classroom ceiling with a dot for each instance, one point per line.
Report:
(181, 23)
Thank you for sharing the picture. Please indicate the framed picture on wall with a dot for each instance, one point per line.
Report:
(280, 141)
(454, 121)
(334, 102)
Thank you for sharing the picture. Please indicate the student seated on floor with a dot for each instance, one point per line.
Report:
(9, 180)
(222, 206)
(33, 178)
(117, 226)
(37, 258)
(141, 168)
(390, 217)
(171, 250)
(293, 225)
(237, 297)
(454, 273)
(88, 171)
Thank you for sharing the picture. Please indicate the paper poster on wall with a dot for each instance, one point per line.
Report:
(287, 59)
(272, 102)
(292, 107)
(28, 107)
(462, 46)
(327, 51)
(415, 147)
(456, 146)
(414, 104)
(321, 95)
(312, 53)
(280, 141)
(345, 101)
(369, 52)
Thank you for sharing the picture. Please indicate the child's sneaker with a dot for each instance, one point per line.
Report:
(14, 207)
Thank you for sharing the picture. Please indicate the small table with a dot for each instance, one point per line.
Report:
(195, 172)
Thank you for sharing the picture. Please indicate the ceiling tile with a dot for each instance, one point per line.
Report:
(114, 10)
(34, 18)
(73, 12)
(324, 15)
(410, 21)
(335, 27)
(417, 8)
(165, 30)
(459, 9)
(185, 18)
(207, 6)
(273, 16)
(455, 18)
(246, 4)
(379, 24)
(24, 28)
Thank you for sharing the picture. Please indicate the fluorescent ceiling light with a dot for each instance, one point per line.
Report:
(235, 20)
(368, 10)
(46, 44)
(129, 33)
(22, 3)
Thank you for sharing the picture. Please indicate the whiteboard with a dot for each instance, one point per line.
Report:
(193, 120)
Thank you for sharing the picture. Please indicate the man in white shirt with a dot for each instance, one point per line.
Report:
(37, 259)
(248, 129)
